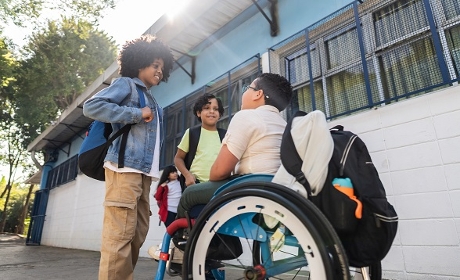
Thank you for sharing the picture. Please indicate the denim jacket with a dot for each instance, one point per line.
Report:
(119, 104)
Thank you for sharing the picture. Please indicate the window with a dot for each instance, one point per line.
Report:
(297, 68)
(342, 49)
(302, 99)
(174, 129)
(63, 173)
(399, 20)
(451, 8)
(409, 68)
(453, 42)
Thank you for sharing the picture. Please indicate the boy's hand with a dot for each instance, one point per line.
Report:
(147, 114)
(190, 179)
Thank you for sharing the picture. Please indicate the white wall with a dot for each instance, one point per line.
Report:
(415, 146)
(74, 217)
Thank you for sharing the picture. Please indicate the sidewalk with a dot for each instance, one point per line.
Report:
(21, 262)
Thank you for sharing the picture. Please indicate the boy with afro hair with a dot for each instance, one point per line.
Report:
(143, 63)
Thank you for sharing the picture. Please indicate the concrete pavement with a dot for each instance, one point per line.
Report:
(21, 262)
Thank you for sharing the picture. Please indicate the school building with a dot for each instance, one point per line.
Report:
(387, 70)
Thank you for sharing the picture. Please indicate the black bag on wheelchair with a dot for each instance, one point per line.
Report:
(367, 239)
(224, 247)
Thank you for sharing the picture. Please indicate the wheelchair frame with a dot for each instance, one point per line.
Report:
(232, 212)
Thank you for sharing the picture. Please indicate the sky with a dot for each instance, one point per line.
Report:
(129, 19)
(140, 15)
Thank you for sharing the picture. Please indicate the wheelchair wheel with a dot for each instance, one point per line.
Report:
(309, 246)
(374, 272)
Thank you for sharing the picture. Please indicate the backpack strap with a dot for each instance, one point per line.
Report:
(125, 130)
(289, 156)
(193, 139)
(222, 133)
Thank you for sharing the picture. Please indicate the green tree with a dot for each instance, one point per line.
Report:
(26, 12)
(18, 208)
(7, 67)
(62, 60)
(13, 158)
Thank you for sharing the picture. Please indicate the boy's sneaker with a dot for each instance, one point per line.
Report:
(154, 252)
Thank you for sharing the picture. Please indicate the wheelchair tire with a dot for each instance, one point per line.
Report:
(319, 245)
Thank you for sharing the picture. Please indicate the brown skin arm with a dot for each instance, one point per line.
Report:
(147, 114)
(223, 166)
(180, 165)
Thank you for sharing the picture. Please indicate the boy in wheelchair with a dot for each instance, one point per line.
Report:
(251, 145)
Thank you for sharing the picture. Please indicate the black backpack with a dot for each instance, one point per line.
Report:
(194, 137)
(366, 240)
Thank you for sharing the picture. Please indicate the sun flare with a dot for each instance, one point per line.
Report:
(174, 7)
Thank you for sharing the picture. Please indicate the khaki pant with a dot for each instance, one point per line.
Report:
(126, 223)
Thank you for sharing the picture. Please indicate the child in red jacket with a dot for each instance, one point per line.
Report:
(168, 195)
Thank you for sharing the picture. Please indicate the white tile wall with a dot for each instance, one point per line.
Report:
(445, 125)
(452, 173)
(410, 133)
(419, 180)
(455, 200)
(423, 205)
(432, 260)
(450, 153)
(414, 156)
(432, 232)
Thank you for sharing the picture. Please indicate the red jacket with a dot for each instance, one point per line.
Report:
(161, 195)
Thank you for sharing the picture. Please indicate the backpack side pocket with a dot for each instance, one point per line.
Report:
(338, 208)
(373, 237)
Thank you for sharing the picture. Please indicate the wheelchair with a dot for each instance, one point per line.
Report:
(279, 233)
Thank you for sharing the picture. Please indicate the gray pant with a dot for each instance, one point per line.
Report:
(197, 194)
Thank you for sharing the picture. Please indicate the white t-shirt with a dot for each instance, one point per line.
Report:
(254, 137)
(174, 194)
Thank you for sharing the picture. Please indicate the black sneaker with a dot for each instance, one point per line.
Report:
(179, 242)
(180, 238)
(208, 276)
(175, 268)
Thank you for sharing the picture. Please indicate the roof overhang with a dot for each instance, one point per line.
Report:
(34, 179)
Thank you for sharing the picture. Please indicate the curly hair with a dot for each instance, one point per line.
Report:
(165, 175)
(142, 52)
(203, 101)
(277, 90)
